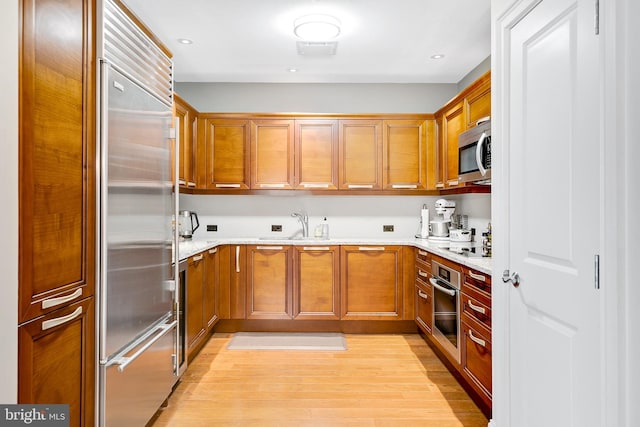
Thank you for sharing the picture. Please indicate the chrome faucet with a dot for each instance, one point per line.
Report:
(304, 220)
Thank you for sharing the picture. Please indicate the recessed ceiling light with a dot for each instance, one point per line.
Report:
(316, 27)
(185, 41)
(292, 70)
(437, 56)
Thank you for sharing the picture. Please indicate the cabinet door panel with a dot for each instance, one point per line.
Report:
(405, 154)
(269, 286)
(227, 154)
(316, 148)
(424, 306)
(195, 300)
(317, 282)
(360, 160)
(57, 362)
(476, 357)
(212, 265)
(453, 124)
(272, 154)
(57, 154)
(188, 131)
(371, 282)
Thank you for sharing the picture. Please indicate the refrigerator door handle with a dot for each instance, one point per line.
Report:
(123, 361)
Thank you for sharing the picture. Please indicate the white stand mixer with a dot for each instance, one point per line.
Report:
(439, 226)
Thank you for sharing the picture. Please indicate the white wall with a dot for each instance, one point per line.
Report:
(473, 75)
(9, 202)
(316, 98)
(348, 216)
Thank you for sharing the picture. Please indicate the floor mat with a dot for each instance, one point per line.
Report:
(287, 341)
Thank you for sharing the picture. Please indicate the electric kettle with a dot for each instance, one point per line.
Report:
(186, 225)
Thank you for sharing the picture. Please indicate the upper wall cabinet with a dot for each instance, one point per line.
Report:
(316, 154)
(404, 156)
(272, 155)
(226, 154)
(478, 101)
(188, 118)
(360, 158)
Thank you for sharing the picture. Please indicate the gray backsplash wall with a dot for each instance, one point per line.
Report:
(348, 216)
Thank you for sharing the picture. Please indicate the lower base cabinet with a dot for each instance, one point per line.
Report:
(195, 297)
(269, 293)
(424, 306)
(316, 283)
(476, 357)
(57, 361)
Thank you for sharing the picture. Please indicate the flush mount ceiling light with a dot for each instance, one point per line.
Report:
(316, 27)
(437, 56)
(185, 41)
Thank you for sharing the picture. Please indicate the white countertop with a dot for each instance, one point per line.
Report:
(192, 247)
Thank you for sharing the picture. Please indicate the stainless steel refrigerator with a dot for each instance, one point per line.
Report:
(137, 328)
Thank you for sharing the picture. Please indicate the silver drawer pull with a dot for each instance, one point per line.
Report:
(213, 251)
(316, 248)
(440, 185)
(477, 276)
(197, 258)
(315, 185)
(227, 185)
(422, 253)
(422, 273)
(476, 308)
(269, 248)
(476, 340)
(48, 324)
(52, 302)
(400, 186)
(422, 295)
(371, 248)
(452, 182)
(271, 185)
(182, 182)
(360, 186)
(191, 184)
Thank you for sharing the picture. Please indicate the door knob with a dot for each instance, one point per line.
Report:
(513, 278)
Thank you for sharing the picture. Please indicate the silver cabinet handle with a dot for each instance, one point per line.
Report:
(315, 185)
(481, 142)
(400, 186)
(52, 302)
(182, 182)
(476, 308)
(316, 248)
(422, 273)
(360, 186)
(191, 184)
(422, 253)
(477, 340)
(371, 248)
(452, 182)
(227, 185)
(237, 259)
(213, 251)
(477, 276)
(269, 248)
(271, 185)
(197, 258)
(440, 185)
(422, 295)
(48, 324)
(435, 284)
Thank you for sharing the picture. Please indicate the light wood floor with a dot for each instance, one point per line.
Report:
(380, 381)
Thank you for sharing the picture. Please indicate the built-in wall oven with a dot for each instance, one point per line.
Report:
(446, 312)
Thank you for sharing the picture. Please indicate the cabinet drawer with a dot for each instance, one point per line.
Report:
(476, 356)
(422, 273)
(476, 309)
(424, 306)
(480, 281)
(423, 257)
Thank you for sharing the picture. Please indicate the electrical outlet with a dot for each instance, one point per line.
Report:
(211, 227)
(276, 227)
(387, 228)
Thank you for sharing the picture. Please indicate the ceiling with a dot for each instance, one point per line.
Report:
(381, 41)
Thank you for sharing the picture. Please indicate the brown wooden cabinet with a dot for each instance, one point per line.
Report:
(316, 154)
(478, 101)
(316, 283)
(210, 292)
(404, 159)
(188, 118)
(56, 254)
(269, 291)
(371, 282)
(57, 361)
(226, 156)
(196, 324)
(424, 291)
(232, 285)
(272, 154)
(453, 123)
(360, 158)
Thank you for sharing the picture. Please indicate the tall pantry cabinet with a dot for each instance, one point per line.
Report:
(57, 206)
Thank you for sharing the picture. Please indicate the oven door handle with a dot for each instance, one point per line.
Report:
(435, 284)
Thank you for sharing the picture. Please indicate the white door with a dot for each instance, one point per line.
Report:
(552, 131)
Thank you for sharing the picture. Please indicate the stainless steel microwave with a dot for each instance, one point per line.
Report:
(474, 154)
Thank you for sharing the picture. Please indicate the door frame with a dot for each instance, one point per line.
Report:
(618, 297)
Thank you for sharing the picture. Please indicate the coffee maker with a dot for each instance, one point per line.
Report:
(186, 224)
